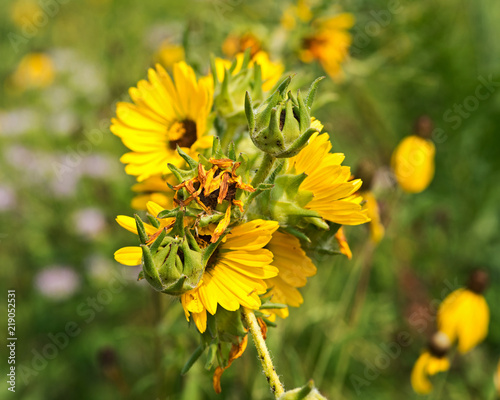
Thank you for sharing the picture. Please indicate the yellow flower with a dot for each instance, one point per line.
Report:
(464, 316)
(427, 365)
(235, 274)
(377, 229)
(164, 115)
(234, 44)
(168, 54)
(36, 70)
(132, 255)
(294, 268)
(334, 194)
(343, 245)
(329, 44)
(496, 378)
(271, 71)
(23, 12)
(301, 11)
(155, 189)
(413, 163)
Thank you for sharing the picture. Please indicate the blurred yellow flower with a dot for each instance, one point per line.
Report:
(271, 71)
(294, 268)
(496, 378)
(35, 71)
(169, 54)
(413, 163)
(377, 229)
(427, 365)
(329, 44)
(234, 44)
(235, 275)
(334, 194)
(301, 11)
(154, 188)
(164, 115)
(464, 316)
(23, 11)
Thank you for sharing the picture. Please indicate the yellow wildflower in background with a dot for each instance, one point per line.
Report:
(164, 115)
(431, 361)
(301, 11)
(35, 71)
(234, 44)
(377, 229)
(464, 316)
(271, 71)
(427, 365)
(23, 11)
(169, 54)
(334, 193)
(235, 274)
(154, 188)
(294, 268)
(413, 163)
(329, 44)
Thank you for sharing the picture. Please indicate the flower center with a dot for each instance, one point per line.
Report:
(182, 133)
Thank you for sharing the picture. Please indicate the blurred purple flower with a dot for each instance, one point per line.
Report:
(7, 198)
(89, 222)
(57, 282)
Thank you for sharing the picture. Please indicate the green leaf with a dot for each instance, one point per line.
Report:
(194, 357)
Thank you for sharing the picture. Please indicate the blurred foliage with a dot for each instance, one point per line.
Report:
(428, 57)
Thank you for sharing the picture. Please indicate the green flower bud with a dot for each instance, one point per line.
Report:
(281, 127)
(230, 93)
(287, 203)
(172, 263)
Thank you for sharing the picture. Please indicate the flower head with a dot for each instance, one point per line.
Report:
(294, 268)
(322, 185)
(213, 187)
(35, 71)
(464, 314)
(329, 43)
(413, 163)
(164, 115)
(430, 362)
(235, 275)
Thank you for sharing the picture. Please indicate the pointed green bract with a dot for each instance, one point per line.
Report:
(281, 127)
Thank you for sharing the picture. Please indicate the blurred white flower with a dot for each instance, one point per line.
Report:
(57, 282)
(18, 121)
(62, 123)
(89, 222)
(98, 166)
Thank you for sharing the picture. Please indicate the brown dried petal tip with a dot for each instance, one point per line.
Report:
(424, 126)
(478, 281)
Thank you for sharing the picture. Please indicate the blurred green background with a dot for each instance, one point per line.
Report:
(107, 336)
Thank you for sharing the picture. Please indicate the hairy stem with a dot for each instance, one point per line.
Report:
(265, 168)
(264, 356)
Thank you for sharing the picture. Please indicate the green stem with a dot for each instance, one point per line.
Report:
(264, 356)
(228, 135)
(265, 168)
